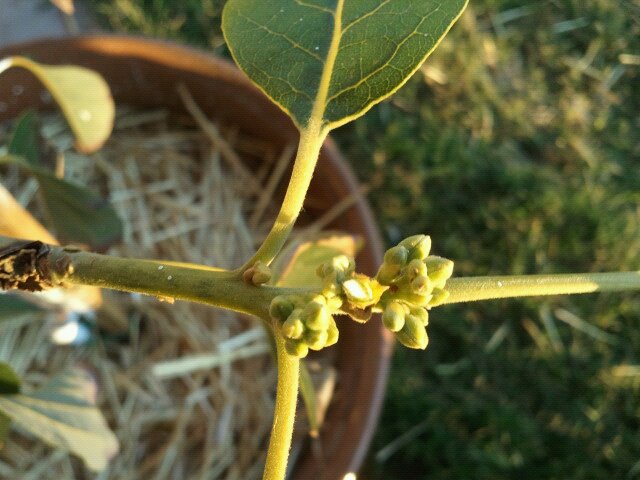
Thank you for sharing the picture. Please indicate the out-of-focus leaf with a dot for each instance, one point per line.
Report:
(5, 426)
(308, 392)
(66, 6)
(77, 214)
(296, 265)
(9, 380)
(63, 414)
(24, 139)
(12, 306)
(83, 96)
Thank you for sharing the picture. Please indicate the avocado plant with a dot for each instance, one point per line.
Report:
(325, 63)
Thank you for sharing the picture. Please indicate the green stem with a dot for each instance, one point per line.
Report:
(64, 266)
(285, 412)
(311, 140)
(471, 289)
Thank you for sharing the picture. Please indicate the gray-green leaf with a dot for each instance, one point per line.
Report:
(63, 414)
(329, 61)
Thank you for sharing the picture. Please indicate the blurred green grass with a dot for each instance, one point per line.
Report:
(516, 148)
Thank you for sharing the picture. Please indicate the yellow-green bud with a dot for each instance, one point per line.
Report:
(334, 303)
(316, 340)
(393, 316)
(358, 291)
(332, 334)
(438, 297)
(412, 298)
(396, 256)
(421, 249)
(412, 241)
(293, 328)
(413, 334)
(280, 308)
(387, 273)
(439, 270)
(422, 314)
(296, 348)
(415, 268)
(420, 285)
(316, 316)
(261, 273)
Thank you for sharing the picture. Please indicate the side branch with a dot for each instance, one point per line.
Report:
(35, 266)
(471, 289)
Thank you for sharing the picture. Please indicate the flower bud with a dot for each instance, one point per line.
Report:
(410, 242)
(358, 291)
(316, 340)
(415, 268)
(421, 249)
(420, 285)
(439, 270)
(316, 316)
(280, 308)
(293, 327)
(332, 334)
(396, 256)
(296, 348)
(422, 314)
(413, 334)
(438, 297)
(393, 316)
(387, 273)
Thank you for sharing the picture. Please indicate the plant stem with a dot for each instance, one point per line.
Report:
(32, 266)
(471, 289)
(311, 139)
(285, 412)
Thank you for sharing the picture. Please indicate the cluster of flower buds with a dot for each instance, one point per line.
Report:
(306, 323)
(416, 282)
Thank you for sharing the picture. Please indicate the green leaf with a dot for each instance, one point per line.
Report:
(25, 139)
(326, 62)
(296, 266)
(76, 214)
(9, 380)
(63, 414)
(83, 96)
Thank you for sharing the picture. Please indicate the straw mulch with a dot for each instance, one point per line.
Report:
(187, 389)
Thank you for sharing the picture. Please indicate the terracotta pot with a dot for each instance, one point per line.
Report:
(145, 73)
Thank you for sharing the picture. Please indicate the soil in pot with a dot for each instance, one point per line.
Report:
(188, 390)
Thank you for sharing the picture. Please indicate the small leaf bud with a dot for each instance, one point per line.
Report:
(439, 297)
(393, 317)
(316, 340)
(280, 308)
(439, 270)
(261, 273)
(396, 256)
(293, 328)
(296, 348)
(413, 334)
(316, 316)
